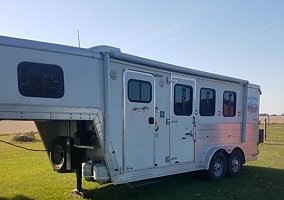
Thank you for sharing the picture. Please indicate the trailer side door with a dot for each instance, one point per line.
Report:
(139, 120)
(182, 120)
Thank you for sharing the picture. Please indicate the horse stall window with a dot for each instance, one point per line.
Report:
(40, 80)
(229, 104)
(183, 100)
(207, 102)
(139, 91)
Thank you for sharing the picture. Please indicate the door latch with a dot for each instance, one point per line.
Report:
(169, 159)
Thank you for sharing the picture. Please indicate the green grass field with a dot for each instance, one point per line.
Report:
(28, 175)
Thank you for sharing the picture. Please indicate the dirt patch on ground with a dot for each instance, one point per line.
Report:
(27, 137)
(7, 127)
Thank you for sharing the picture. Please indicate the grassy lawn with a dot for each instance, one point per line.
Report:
(28, 175)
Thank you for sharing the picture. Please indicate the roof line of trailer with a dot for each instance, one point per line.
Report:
(174, 68)
(114, 53)
(49, 47)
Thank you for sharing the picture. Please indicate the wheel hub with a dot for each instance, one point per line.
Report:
(58, 157)
(235, 164)
(218, 168)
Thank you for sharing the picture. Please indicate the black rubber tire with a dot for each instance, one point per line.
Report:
(218, 167)
(235, 163)
(58, 154)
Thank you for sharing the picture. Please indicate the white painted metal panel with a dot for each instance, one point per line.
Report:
(82, 87)
(162, 143)
(115, 118)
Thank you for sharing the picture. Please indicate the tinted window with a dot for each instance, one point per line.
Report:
(229, 104)
(139, 91)
(183, 100)
(40, 80)
(207, 102)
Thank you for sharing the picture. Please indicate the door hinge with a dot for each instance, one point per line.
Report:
(171, 80)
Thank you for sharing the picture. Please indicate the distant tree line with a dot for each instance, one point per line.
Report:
(265, 114)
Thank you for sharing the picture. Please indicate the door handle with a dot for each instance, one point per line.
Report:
(168, 121)
(156, 126)
(190, 134)
(151, 120)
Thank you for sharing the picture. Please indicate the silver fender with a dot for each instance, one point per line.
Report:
(205, 163)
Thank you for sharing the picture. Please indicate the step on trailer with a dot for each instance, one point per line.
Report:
(114, 117)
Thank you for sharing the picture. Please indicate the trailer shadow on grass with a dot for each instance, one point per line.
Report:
(17, 197)
(253, 183)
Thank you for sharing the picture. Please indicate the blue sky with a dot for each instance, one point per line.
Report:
(239, 38)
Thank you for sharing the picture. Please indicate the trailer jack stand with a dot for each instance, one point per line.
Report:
(79, 191)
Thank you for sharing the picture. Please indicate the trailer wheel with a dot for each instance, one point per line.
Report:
(235, 163)
(218, 167)
(58, 154)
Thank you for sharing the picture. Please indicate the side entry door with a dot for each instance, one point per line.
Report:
(139, 121)
(182, 120)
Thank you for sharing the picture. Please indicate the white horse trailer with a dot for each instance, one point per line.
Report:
(110, 116)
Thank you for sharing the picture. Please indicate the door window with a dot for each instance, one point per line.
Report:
(139, 91)
(229, 104)
(183, 100)
(207, 102)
